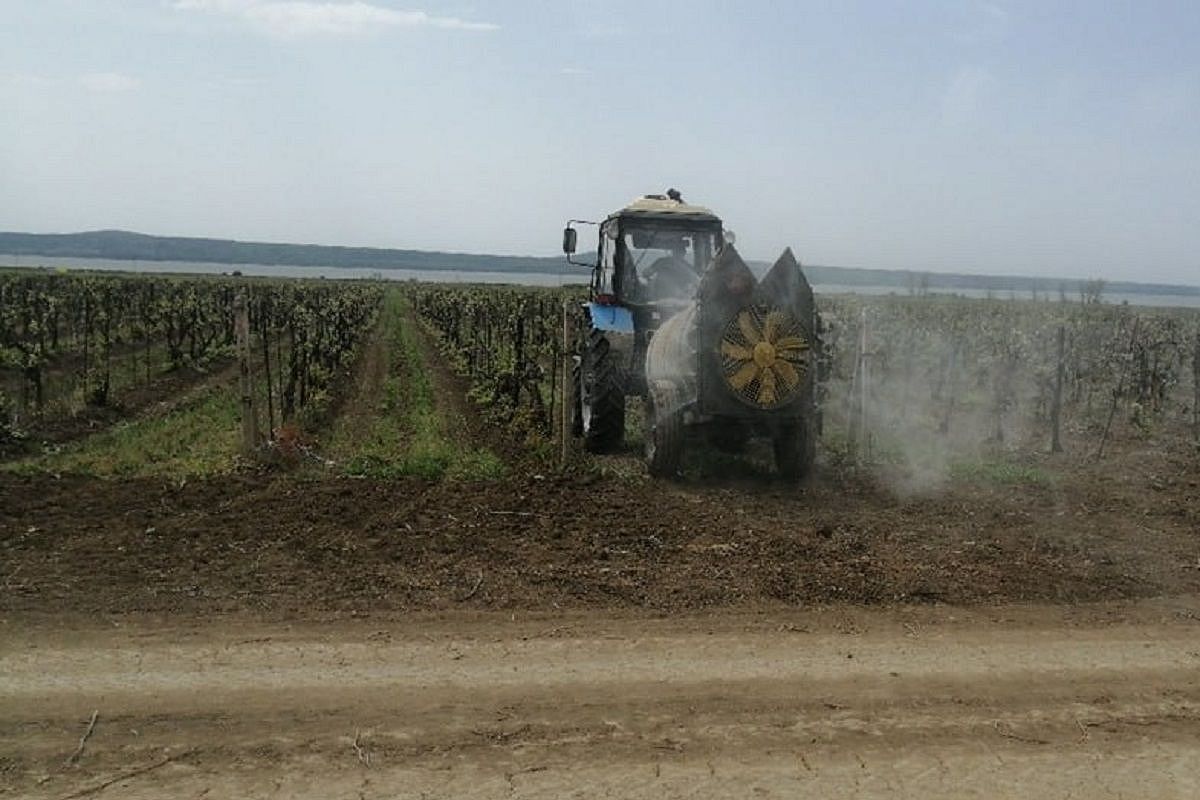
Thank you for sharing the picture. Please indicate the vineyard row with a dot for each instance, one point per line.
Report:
(69, 341)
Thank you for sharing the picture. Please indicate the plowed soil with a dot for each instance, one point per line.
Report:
(273, 544)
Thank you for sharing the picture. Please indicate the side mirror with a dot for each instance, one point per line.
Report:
(730, 237)
(569, 237)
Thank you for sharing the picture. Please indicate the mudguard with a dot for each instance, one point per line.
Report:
(617, 319)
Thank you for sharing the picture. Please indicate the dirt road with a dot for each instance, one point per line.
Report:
(1085, 701)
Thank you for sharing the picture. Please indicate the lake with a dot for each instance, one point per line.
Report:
(288, 271)
(568, 277)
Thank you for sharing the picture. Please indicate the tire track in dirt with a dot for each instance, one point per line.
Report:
(462, 416)
(353, 423)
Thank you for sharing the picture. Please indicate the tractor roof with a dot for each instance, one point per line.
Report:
(662, 207)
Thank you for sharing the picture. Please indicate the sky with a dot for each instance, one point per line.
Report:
(1018, 137)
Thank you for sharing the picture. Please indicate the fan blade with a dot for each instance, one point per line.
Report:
(735, 351)
(773, 324)
(788, 375)
(748, 329)
(744, 375)
(791, 343)
(766, 390)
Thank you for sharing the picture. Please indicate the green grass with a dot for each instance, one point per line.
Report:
(195, 440)
(411, 436)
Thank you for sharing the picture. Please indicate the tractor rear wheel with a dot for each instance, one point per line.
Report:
(664, 430)
(601, 394)
(795, 449)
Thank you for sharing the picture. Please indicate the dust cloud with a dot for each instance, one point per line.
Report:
(911, 403)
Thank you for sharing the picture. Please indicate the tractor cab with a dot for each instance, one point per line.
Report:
(651, 255)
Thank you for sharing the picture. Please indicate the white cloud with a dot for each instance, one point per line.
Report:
(108, 82)
(298, 18)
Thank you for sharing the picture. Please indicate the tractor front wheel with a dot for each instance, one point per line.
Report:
(601, 393)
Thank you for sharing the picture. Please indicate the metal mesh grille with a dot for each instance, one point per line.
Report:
(764, 356)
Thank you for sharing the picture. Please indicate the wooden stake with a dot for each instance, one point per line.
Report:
(865, 435)
(554, 361)
(852, 410)
(1117, 392)
(568, 386)
(266, 351)
(1196, 389)
(1056, 407)
(241, 325)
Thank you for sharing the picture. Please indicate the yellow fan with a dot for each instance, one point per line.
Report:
(764, 356)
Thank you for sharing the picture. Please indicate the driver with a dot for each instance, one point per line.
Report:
(671, 275)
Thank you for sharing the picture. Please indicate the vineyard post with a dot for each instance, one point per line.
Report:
(246, 383)
(951, 395)
(864, 434)
(518, 359)
(266, 351)
(859, 426)
(1119, 390)
(852, 404)
(1056, 407)
(1196, 389)
(568, 385)
(101, 394)
(554, 357)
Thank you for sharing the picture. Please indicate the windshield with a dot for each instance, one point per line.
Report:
(663, 262)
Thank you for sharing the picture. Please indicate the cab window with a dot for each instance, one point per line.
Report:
(606, 269)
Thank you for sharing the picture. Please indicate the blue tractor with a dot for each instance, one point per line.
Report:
(676, 317)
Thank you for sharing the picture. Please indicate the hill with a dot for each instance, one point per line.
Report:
(126, 246)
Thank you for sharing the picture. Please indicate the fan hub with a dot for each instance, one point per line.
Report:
(764, 354)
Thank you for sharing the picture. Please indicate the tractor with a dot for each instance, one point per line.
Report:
(675, 316)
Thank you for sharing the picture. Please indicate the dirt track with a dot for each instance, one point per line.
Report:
(1093, 701)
